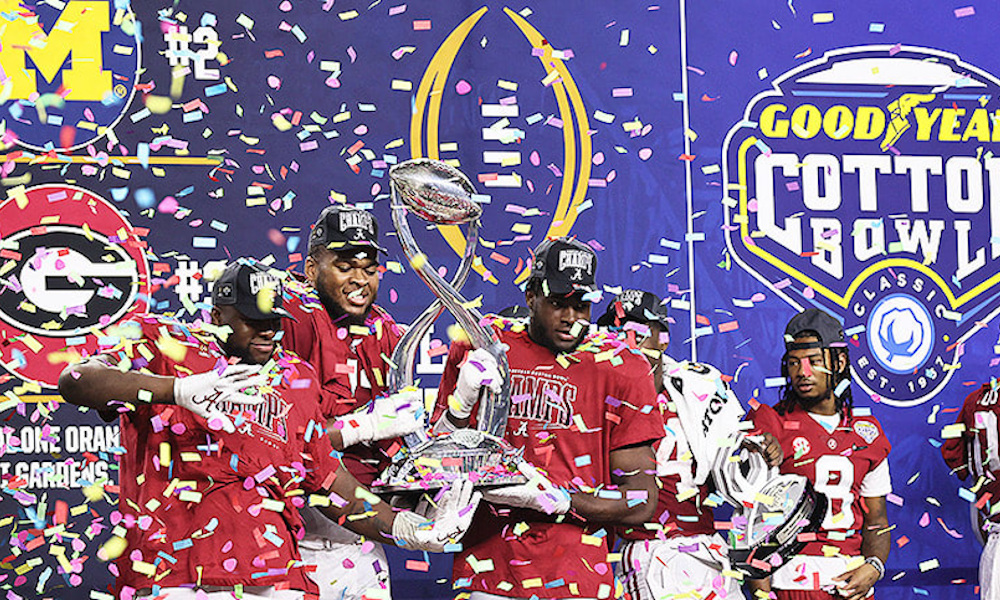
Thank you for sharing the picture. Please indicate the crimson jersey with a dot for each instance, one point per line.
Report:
(568, 412)
(680, 506)
(352, 363)
(976, 449)
(836, 463)
(205, 506)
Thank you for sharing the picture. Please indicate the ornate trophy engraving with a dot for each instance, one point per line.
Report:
(440, 194)
(772, 509)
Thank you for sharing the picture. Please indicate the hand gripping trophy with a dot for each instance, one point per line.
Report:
(440, 194)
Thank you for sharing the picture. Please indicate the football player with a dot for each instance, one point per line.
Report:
(843, 454)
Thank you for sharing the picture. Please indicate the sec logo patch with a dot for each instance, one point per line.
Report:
(800, 446)
(73, 266)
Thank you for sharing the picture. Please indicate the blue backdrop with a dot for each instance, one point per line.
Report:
(742, 161)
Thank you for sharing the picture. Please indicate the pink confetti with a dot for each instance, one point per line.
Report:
(463, 87)
(732, 57)
(965, 11)
(925, 520)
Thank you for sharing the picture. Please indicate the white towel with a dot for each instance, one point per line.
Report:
(709, 411)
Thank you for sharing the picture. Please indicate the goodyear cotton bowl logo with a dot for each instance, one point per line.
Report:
(867, 181)
(70, 265)
(68, 70)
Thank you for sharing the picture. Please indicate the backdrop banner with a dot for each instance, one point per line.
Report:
(742, 161)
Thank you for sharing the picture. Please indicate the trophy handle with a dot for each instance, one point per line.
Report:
(493, 408)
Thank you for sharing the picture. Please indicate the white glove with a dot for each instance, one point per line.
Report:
(384, 418)
(480, 369)
(537, 494)
(203, 393)
(446, 526)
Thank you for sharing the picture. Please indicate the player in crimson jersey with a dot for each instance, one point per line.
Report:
(225, 443)
(584, 412)
(338, 329)
(975, 450)
(843, 454)
(678, 554)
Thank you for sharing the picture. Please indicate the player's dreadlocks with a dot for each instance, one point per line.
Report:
(838, 381)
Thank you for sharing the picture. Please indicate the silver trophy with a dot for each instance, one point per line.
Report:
(772, 509)
(440, 194)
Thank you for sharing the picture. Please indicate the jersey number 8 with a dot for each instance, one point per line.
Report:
(834, 479)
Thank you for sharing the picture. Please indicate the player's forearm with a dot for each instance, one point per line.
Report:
(759, 585)
(363, 513)
(373, 522)
(632, 503)
(94, 384)
(456, 422)
(634, 500)
(876, 538)
(604, 510)
(336, 438)
(876, 541)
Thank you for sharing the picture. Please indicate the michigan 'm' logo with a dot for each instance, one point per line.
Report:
(71, 67)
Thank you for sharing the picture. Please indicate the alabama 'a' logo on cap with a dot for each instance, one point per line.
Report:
(630, 299)
(576, 262)
(358, 220)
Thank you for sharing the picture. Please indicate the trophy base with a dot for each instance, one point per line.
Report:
(487, 460)
(773, 527)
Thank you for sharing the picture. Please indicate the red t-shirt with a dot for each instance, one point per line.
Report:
(568, 418)
(223, 511)
(976, 449)
(351, 362)
(836, 463)
(675, 469)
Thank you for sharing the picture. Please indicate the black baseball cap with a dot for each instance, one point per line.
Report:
(342, 227)
(565, 266)
(829, 330)
(517, 311)
(635, 305)
(253, 289)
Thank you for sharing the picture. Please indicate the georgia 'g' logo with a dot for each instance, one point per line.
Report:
(69, 278)
(70, 70)
(70, 265)
(866, 179)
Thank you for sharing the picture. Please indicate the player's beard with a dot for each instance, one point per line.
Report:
(539, 335)
(808, 403)
(337, 314)
(241, 353)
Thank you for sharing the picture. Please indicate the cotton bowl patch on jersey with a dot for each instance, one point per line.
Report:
(73, 266)
(867, 431)
(861, 177)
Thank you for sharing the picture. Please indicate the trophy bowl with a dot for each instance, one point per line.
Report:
(488, 461)
(792, 506)
(435, 191)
